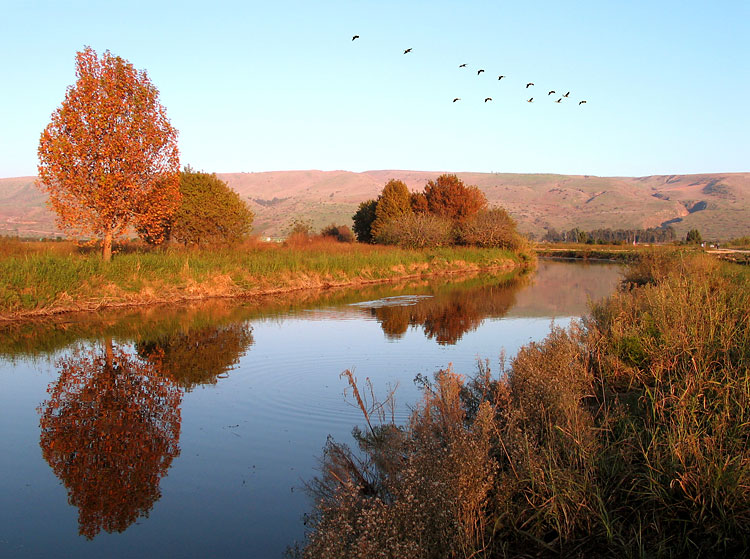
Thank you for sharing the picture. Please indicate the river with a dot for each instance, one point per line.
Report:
(189, 431)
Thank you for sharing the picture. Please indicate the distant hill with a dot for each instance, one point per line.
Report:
(717, 204)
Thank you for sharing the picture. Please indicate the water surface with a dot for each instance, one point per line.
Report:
(189, 431)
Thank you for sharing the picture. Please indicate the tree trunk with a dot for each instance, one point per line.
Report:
(107, 247)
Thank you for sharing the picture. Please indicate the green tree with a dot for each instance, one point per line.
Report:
(693, 237)
(363, 219)
(210, 212)
(394, 202)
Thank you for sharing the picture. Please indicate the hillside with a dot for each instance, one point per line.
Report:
(717, 204)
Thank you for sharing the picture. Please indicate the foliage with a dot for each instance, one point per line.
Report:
(363, 219)
(110, 431)
(394, 201)
(341, 233)
(419, 203)
(300, 230)
(611, 236)
(693, 237)
(416, 231)
(447, 196)
(623, 436)
(108, 159)
(491, 228)
(210, 212)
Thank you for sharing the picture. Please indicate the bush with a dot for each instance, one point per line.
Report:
(210, 212)
(341, 233)
(363, 219)
(416, 231)
(491, 228)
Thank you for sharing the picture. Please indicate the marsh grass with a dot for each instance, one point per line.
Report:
(48, 280)
(623, 436)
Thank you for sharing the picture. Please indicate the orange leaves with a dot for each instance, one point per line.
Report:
(108, 158)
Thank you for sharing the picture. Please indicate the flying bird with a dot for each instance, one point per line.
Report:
(581, 102)
(560, 99)
(407, 51)
(528, 84)
(355, 37)
(462, 65)
(456, 99)
(479, 72)
(487, 99)
(529, 100)
(551, 92)
(568, 93)
(500, 77)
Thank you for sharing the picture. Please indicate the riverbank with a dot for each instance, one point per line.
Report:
(627, 432)
(48, 282)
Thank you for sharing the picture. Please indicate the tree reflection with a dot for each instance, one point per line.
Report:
(447, 317)
(199, 356)
(110, 431)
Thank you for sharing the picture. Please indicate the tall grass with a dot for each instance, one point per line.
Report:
(45, 280)
(624, 436)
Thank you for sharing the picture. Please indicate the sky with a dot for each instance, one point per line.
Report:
(280, 85)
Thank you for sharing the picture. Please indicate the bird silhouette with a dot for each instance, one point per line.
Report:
(407, 51)
(479, 72)
(456, 99)
(462, 65)
(487, 99)
(560, 99)
(551, 92)
(529, 100)
(355, 37)
(581, 102)
(568, 93)
(500, 77)
(528, 84)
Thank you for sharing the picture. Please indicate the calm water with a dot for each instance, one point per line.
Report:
(189, 431)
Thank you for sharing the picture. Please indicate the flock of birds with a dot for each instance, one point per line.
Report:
(486, 99)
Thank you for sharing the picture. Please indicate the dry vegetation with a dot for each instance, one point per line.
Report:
(625, 436)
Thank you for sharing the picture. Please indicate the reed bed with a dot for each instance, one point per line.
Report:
(623, 436)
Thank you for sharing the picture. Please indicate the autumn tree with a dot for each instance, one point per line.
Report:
(491, 228)
(363, 219)
(393, 202)
(108, 159)
(447, 196)
(210, 211)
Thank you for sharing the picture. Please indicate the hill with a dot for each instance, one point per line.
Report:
(717, 204)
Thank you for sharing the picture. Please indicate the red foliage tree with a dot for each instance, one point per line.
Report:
(448, 196)
(109, 159)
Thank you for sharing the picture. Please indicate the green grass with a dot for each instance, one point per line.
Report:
(41, 280)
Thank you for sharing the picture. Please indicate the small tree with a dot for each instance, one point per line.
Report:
(363, 219)
(417, 230)
(693, 237)
(108, 159)
(394, 201)
(210, 213)
(448, 196)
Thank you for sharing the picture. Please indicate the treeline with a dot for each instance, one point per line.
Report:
(446, 212)
(611, 236)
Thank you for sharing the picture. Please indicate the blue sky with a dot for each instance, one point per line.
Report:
(265, 86)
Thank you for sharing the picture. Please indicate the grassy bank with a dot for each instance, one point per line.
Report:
(54, 277)
(624, 436)
(619, 253)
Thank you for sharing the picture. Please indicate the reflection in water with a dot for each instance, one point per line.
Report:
(198, 356)
(110, 430)
(448, 317)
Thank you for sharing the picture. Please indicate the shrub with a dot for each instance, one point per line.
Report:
(210, 212)
(491, 228)
(416, 231)
(341, 233)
